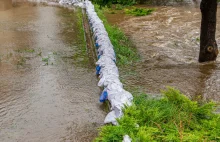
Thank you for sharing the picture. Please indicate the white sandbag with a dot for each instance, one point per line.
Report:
(119, 99)
(109, 52)
(106, 80)
(111, 118)
(72, 2)
(105, 61)
(109, 70)
(126, 138)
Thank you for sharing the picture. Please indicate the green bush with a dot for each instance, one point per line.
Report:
(139, 11)
(171, 118)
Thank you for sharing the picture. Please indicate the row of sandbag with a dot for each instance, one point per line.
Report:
(106, 68)
(71, 2)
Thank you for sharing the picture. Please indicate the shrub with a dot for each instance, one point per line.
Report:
(172, 118)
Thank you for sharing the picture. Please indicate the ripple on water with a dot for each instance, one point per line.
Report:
(44, 97)
(169, 46)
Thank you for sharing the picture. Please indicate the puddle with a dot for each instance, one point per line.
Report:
(45, 96)
(168, 41)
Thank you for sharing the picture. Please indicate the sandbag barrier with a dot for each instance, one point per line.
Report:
(106, 68)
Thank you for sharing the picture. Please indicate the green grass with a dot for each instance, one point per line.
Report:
(46, 60)
(126, 54)
(173, 118)
(139, 11)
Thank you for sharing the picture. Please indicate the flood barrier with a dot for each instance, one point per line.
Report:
(106, 68)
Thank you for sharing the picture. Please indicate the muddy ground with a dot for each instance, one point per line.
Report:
(48, 89)
(168, 42)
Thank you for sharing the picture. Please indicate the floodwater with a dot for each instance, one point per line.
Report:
(5, 4)
(168, 41)
(48, 91)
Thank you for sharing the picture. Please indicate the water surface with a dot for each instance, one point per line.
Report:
(168, 41)
(46, 95)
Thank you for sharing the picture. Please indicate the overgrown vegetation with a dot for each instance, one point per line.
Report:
(125, 53)
(110, 2)
(139, 11)
(103, 3)
(25, 50)
(172, 118)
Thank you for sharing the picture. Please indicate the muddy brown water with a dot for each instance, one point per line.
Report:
(46, 95)
(5, 4)
(168, 41)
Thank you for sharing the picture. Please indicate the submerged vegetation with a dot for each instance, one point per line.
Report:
(139, 11)
(126, 54)
(81, 55)
(103, 3)
(25, 50)
(172, 118)
(74, 27)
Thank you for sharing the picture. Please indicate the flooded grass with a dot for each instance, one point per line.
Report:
(46, 60)
(139, 11)
(27, 50)
(80, 55)
(21, 61)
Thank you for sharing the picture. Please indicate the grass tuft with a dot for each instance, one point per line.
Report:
(139, 11)
(25, 50)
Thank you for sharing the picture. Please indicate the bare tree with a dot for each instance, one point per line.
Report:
(208, 45)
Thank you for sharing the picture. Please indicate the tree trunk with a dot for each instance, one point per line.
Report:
(208, 45)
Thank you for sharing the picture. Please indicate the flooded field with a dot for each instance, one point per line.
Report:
(168, 41)
(48, 89)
